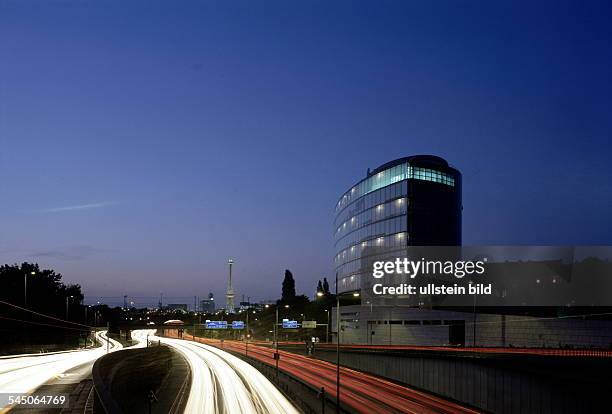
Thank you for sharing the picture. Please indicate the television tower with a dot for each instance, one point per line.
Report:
(229, 304)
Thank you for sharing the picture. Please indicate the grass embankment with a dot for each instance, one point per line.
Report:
(133, 375)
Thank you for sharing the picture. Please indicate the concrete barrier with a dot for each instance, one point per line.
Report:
(517, 384)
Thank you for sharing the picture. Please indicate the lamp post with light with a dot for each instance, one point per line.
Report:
(25, 288)
(328, 312)
(87, 323)
(276, 354)
(67, 299)
(354, 294)
(248, 333)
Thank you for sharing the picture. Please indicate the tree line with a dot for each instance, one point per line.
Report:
(27, 293)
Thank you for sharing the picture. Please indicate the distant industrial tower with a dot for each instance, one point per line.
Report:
(229, 304)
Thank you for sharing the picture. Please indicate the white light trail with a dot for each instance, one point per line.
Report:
(223, 383)
(25, 373)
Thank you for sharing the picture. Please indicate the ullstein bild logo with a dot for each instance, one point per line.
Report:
(413, 268)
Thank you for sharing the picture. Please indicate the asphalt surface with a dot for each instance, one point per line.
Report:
(359, 391)
(66, 372)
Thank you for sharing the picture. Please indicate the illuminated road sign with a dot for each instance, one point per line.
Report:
(287, 324)
(216, 324)
(238, 325)
(309, 324)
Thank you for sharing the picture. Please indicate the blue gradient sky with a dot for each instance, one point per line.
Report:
(143, 144)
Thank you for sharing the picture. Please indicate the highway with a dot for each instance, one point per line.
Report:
(556, 352)
(25, 373)
(223, 383)
(28, 372)
(361, 392)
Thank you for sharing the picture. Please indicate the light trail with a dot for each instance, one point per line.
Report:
(362, 392)
(141, 337)
(223, 383)
(25, 373)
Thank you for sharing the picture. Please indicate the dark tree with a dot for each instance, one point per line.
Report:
(288, 292)
(319, 287)
(46, 295)
(325, 286)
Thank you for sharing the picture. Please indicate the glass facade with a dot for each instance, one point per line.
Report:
(392, 175)
(376, 211)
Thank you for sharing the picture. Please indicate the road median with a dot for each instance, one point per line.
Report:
(155, 380)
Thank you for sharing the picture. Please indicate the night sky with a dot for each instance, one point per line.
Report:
(143, 144)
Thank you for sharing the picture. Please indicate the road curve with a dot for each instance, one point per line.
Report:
(25, 373)
(222, 383)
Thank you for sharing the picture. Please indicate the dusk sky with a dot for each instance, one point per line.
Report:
(145, 143)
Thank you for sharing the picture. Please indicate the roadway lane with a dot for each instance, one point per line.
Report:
(64, 370)
(140, 336)
(26, 373)
(556, 352)
(222, 383)
(361, 392)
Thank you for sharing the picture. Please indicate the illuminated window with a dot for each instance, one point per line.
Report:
(393, 175)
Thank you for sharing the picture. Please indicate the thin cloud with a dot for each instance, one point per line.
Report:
(78, 207)
(77, 252)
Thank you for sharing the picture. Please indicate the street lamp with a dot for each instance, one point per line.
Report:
(328, 311)
(277, 356)
(246, 349)
(87, 323)
(327, 328)
(25, 288)
(354, 294)
(67, 298)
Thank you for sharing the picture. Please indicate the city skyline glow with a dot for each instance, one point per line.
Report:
(143, 145)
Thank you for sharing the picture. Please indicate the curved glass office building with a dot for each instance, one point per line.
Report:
(411, 201)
